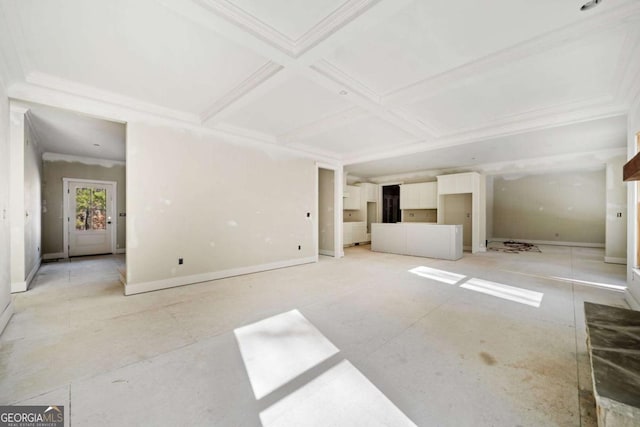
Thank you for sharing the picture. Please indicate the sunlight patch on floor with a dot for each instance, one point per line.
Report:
(439, 275)
(280, 348)
(511, 293)
(341, 396)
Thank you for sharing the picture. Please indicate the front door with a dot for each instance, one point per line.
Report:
(90, 218)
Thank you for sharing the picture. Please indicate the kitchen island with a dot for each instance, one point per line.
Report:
(418, 239)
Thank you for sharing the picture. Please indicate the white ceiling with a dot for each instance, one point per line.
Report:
(356, 81)
(64, 132)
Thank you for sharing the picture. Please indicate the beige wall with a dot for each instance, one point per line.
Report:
(458, 209)
(223, 207)
(326, 182)
(616, 227)
(52, 216)
(420, 215)
(562, 207)
(32, 202)
(5, 261)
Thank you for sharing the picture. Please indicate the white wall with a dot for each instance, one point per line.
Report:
(566, 207)
(32, 204)
(6, 307)
(326, 228)
(633, 280)
(616, 226)
(225, 208)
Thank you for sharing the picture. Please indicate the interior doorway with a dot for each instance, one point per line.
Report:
(391, 204)
(458, 209)
(328, 221)
(89, 213)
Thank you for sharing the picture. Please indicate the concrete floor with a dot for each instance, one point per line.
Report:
(369, 341)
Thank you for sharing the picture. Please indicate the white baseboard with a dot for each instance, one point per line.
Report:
(18, 287)
(550, 242)
(5, 316)
(615, 260)
(33, 272)
(56, 255)
(326, 252)
(121, 250)
(138, 288)
(631, 300)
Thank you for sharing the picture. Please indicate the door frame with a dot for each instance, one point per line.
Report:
(338, 177)
(66, 212)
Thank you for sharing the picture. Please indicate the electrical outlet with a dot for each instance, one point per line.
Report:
(619, 214)
(180, 261)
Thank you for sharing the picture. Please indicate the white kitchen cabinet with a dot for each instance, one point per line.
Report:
(426, 240)
(354, 232)
(423, 195)
(369, 192)
(352, 198)
(457, 183)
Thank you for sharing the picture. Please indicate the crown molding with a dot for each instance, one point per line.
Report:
(22, 95)
(258, 77)
(329, 70)
(464, 73)
(57, 157)
(340, 17)
(565, 114)
(88, 92)
(590, 160)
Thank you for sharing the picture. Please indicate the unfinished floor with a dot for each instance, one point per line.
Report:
(441, 352)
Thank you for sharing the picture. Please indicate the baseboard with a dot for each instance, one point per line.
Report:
(138, 288)
(18, 287)
(631, 300)
(615, 260)
(121, 250)
(326, 252)
(550, 242)
(33, 272)
(5, 316)
(56, 255)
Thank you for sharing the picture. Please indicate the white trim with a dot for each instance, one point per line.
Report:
(615, 260)
(550, 242)
(55, 157)
(631, 300)
(66, 213)
(33, 273)
(18, 287)
(6, 316)
(138, 288)
(121, 250)
(54, 255)
(327, 253)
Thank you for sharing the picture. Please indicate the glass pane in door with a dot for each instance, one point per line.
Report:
(91, 209)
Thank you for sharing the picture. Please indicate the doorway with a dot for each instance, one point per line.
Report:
(458, 209)
(391, 204)
(326, 212)
(89, 207)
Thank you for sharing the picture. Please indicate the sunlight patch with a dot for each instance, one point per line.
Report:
(439, 275)
(511, 293)
(280, 348)
(341, 396)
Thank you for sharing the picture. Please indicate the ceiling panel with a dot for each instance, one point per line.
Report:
(134, 48)
(603, 134)
(431, 37)
(366, 134)
(293, 104)
(291, 18)
(556, 78)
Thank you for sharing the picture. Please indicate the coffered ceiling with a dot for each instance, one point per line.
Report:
(358, 81)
